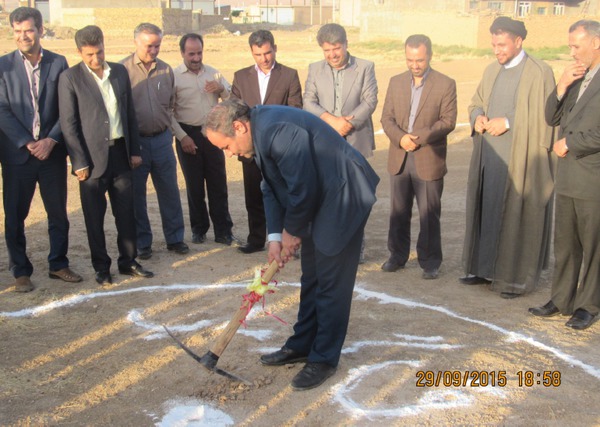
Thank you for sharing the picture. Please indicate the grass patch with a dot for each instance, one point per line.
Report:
(549, 53)
(454, 51)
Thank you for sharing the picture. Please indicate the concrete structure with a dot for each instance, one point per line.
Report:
(285, 15)
(206, 6)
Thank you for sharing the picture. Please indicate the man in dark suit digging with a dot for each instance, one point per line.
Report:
(318, 193)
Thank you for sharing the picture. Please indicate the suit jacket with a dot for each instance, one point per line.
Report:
(16, 107)
(84, 119)
(314, 183)
(578, 174)
(359, 98)
(283, 89)
(436, 118)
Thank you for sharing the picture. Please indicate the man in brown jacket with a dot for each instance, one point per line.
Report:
(266, 82)
(418, 114)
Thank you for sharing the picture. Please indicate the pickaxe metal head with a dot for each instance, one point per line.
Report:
(209, 360)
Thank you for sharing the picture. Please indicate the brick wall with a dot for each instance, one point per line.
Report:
(121, 22)
(450, 28)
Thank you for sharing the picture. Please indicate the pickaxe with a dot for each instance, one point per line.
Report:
(210, 359)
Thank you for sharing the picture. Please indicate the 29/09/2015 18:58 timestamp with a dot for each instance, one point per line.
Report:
(486, 378)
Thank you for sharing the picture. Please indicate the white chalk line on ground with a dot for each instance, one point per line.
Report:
(430, 400)
(362, 294)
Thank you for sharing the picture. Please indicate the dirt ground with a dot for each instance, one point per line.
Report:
(81, 354)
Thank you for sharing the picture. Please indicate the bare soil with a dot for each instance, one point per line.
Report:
(417, 352)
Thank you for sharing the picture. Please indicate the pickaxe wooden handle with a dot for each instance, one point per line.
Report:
(227, 335)
(210, 359)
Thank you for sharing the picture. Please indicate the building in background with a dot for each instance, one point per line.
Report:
(447, 22)
(466, 22)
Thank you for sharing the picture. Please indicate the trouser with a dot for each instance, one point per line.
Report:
(117, 181)
(405, 187)
(207, 165)
(576, 281)
(19, 183)
(327, 285)
(158, 161)
(257, 223)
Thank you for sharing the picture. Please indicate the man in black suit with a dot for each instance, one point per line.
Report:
(100, 128)
(266, 83)
(574, 105)
(318, 192)
(32, 149)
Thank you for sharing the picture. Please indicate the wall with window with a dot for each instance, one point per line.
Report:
(523, 8)
(447, 28)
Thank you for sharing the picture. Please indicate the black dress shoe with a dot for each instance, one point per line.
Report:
(547, 310)
(249, 248)
(474, 280)
(136, 270)
(312, 375)
(103, 278)
(430, 273)
(509, 295)
(144, 253)
(391, 265)
(198, 238)
(225, 240)
(581, 319)
(179, 247)
(282, 357)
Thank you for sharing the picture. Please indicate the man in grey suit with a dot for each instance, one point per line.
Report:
(342, 90)
(318, 193)
(418, 114)
(100, 128)
(266, 82)
(574, 105)
(31, 147)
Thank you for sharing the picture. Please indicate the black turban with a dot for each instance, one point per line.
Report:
(506, 24)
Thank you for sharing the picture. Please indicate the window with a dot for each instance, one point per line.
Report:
(524, 8)
(473, 4)
(559, 8)
(541, 11)
(495, 5)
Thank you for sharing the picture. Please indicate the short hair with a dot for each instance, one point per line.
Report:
(21, 14)
(90, 35)
(221, 117)
(260, 37)
(187, 37)
(589, 26)
(417, 40)
(146, 27)
(332, 34)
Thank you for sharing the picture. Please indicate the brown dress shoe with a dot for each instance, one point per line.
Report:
(23, 284)
(66, 275)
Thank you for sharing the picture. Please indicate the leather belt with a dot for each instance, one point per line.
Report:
(152, 135)
(113, 142)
